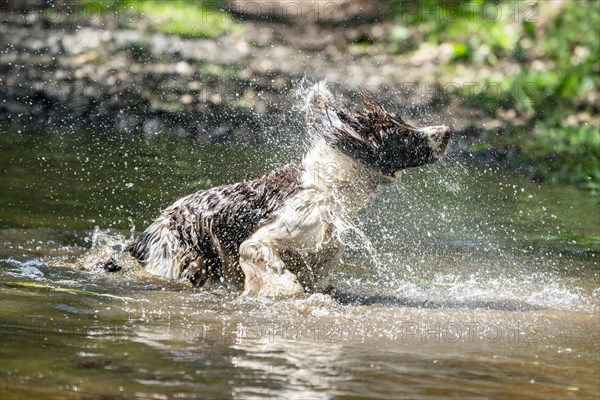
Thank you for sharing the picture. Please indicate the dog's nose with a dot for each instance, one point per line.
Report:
(439, 139)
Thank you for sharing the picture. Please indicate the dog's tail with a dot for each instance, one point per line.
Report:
(158, 250)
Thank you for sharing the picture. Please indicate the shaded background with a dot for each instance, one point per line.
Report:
(518, 80)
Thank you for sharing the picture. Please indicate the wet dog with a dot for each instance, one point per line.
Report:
(279, 234)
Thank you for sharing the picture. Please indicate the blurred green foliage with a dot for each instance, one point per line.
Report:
(467, 25)
(566, 155)
(186, 18)
(484, 31)
(553, 49)
(558, 58)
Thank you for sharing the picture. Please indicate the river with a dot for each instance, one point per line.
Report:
(459, 281)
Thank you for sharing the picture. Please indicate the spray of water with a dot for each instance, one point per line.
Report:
(446, 233)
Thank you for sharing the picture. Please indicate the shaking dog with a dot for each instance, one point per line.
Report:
(278, 235)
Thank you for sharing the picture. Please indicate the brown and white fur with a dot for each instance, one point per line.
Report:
(277, 235)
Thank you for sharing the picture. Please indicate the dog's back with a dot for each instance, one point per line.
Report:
(199, 236)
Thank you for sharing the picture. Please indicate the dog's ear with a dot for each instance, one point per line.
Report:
(376, 122)
(373, 107)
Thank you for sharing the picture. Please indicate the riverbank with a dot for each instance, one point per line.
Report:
(134, 69)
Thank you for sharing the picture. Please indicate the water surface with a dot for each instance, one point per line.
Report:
(458, 282)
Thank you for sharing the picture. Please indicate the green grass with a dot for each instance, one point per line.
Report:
(185, 18)
(567, 155)
(466, 25)
(567, 45)
(563, 42)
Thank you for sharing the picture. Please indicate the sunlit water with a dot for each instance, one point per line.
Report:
(457, 282)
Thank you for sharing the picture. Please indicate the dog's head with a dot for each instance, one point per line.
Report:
(373, 136)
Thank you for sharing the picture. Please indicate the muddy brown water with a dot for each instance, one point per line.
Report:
(457, 282)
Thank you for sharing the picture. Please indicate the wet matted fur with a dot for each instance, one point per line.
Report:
(278, 234)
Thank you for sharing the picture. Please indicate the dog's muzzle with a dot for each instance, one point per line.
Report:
(439, 137)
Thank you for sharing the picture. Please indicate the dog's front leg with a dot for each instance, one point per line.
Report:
(265, 273)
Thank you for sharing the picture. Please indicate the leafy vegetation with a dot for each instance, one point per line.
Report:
(553, 47)
(186, 18)
(542, 57)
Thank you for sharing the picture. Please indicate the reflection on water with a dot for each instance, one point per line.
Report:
(457, 282)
